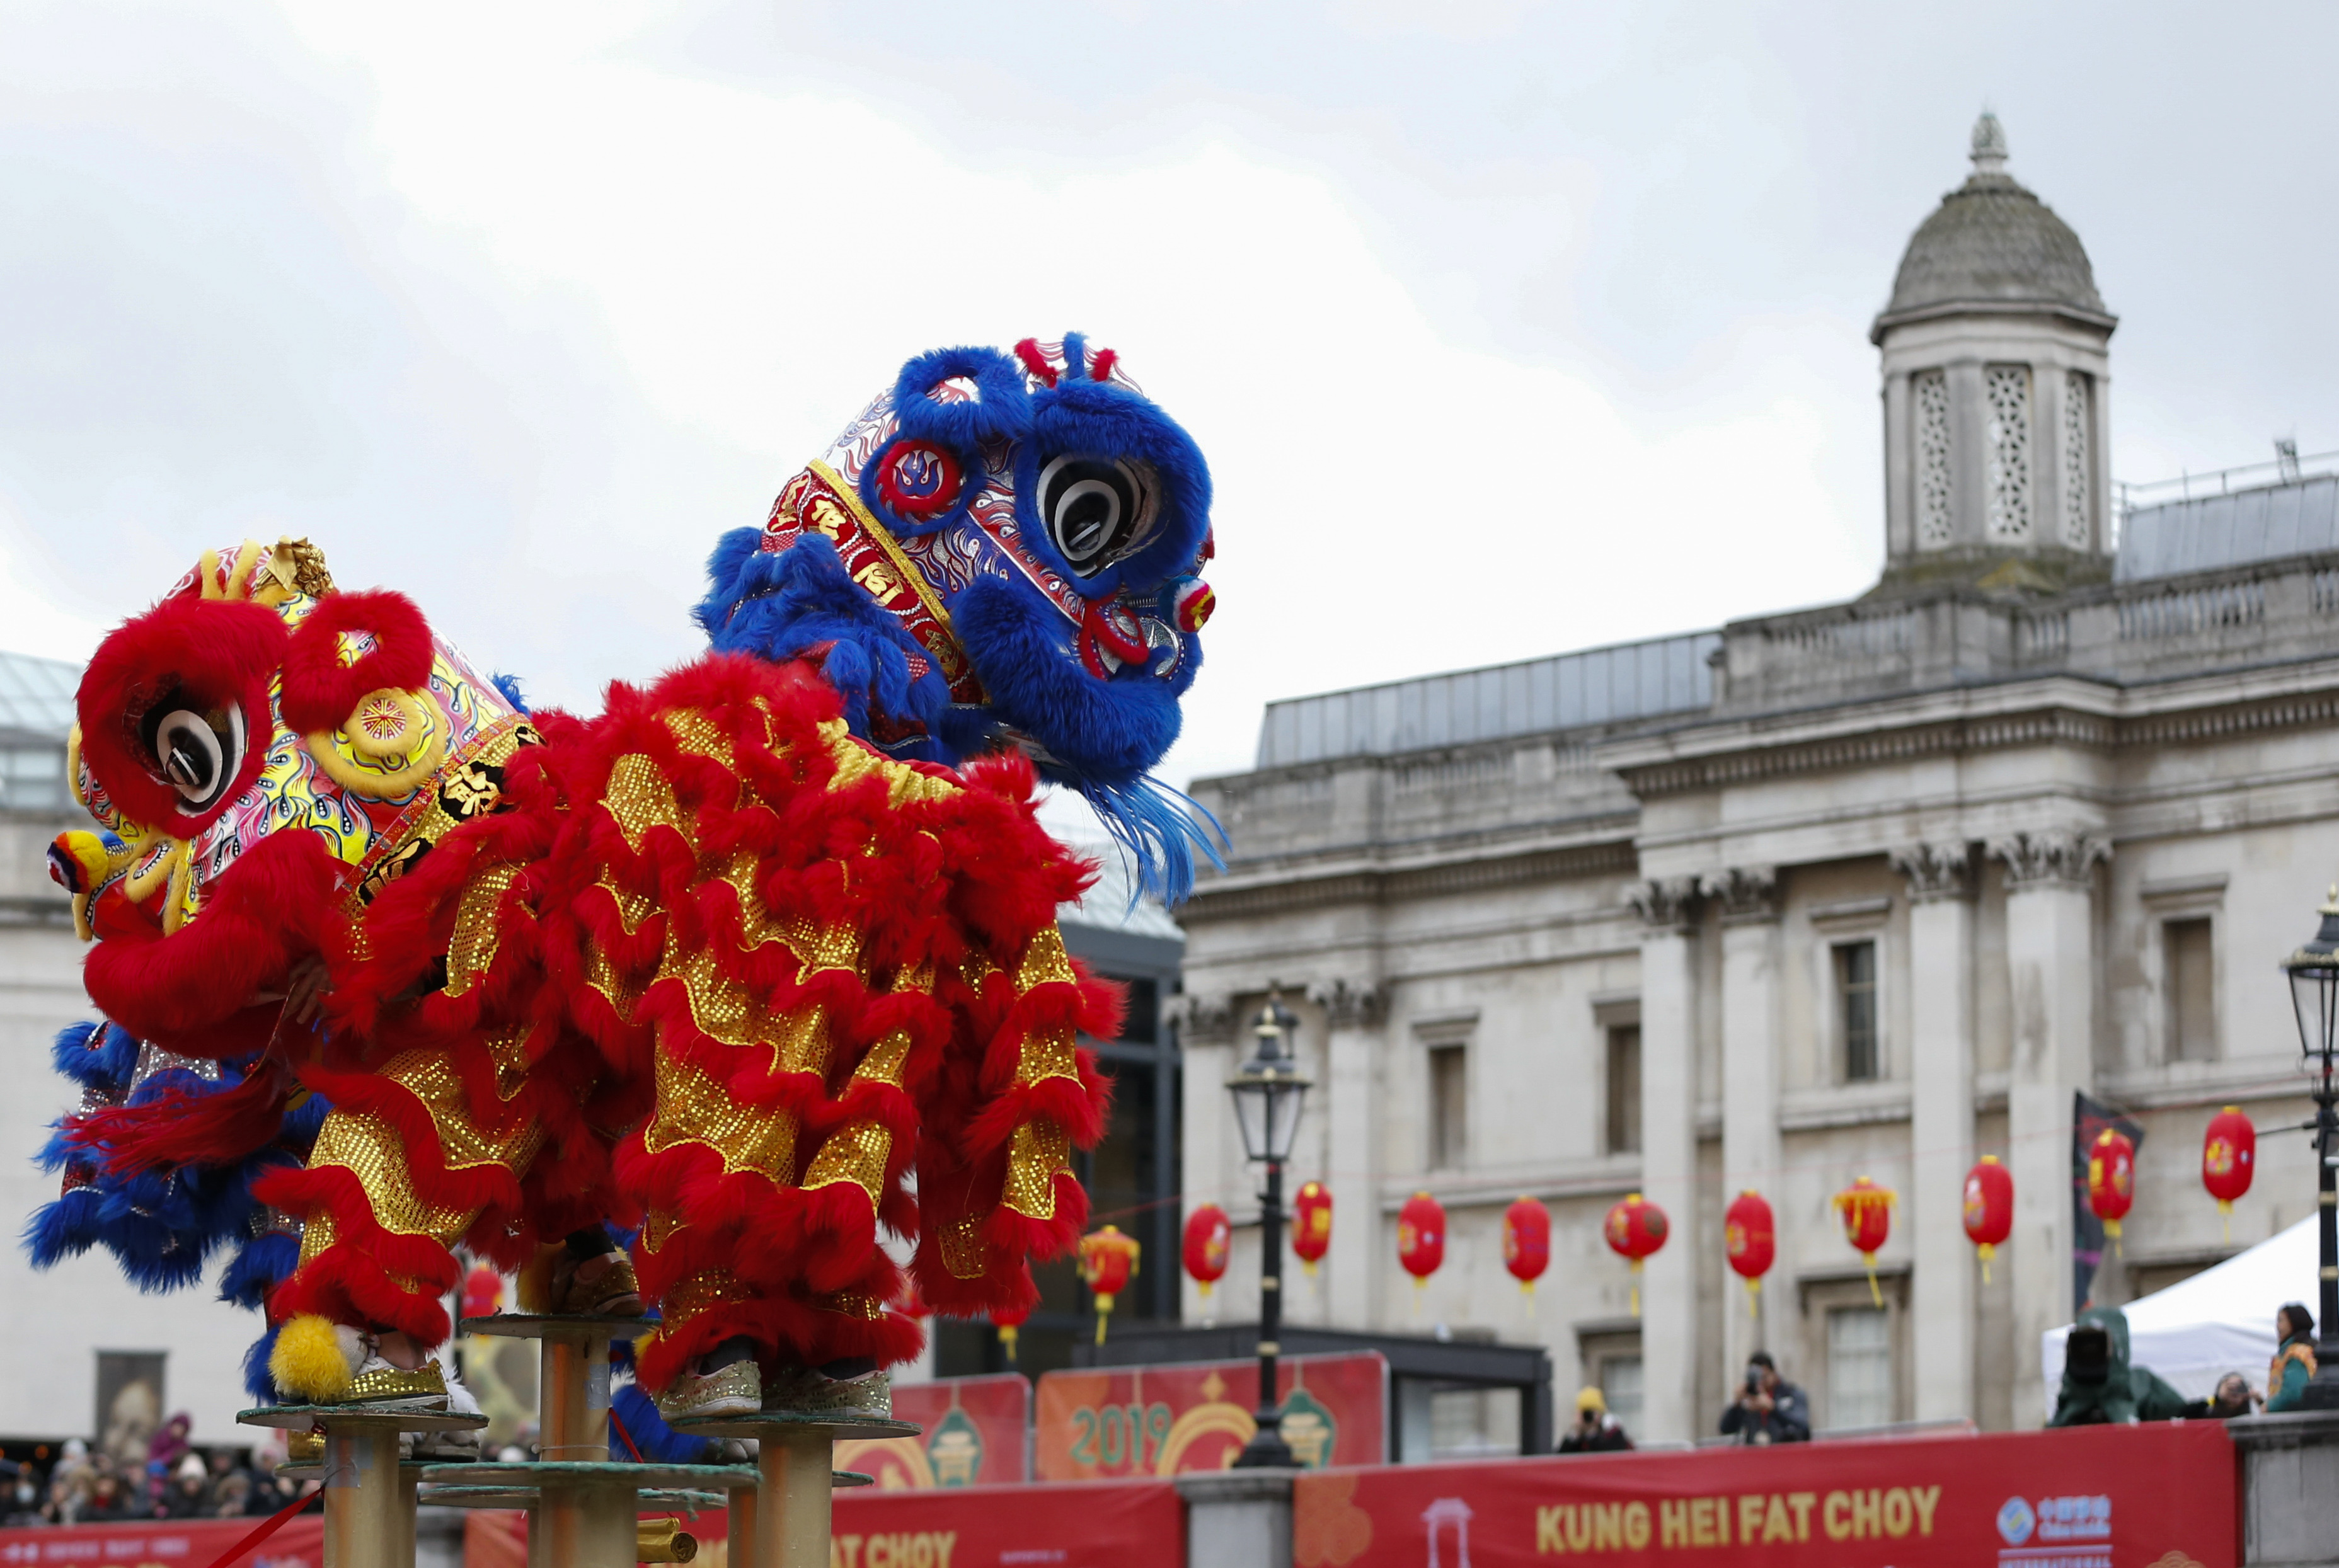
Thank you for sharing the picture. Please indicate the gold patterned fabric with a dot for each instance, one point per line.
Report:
(1038, 1150)
(692, 1108)
(473, 947)
(700, 1292)
(368, 1149)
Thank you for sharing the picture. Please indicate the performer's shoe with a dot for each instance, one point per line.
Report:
(305, 1447)
(388, 1387)
(611, 1292)
(811, 1390)
(461, 1443)
(735, 1389)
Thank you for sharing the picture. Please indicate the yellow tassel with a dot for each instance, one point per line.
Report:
(533, 1290)
(308, 1361)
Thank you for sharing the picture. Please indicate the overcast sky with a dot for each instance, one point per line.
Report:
(1507, 328)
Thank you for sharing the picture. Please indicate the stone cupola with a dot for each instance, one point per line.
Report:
(1995, 369)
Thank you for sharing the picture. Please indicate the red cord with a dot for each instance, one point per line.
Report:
(262, 1533)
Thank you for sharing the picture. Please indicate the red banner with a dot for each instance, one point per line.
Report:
(2156, 1497)
(178, 1543)
(973, 1434)
(1161, 1420)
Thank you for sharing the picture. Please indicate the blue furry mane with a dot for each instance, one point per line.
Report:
(1156, 828)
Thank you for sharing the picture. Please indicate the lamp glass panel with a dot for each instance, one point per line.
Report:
(1251, 1117)
(1283, 1118)
(2315, 993)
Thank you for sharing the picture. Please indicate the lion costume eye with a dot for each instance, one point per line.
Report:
(196, 753)
(1096, 509)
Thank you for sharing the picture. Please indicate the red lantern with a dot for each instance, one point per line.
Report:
(1634, 1229)
(1751, 1238)
(2229, 1158)
(1007, 1320)
(1866, 1209)
(1208, 1235)
(483, 1292)
(1311, 1224)
(1526, 1242)
(1989, 1209)
(2111, 1182)
(1421, 1238)
(1107, 1260)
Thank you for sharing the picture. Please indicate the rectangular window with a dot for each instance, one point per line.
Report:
(1855, 990)
(1860, 1366)
(1140, 1024)
(2192, 991)
(1620, 1384)
(1449, 1107)
(1624, 1089)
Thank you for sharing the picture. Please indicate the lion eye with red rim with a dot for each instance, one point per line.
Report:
(197, 750)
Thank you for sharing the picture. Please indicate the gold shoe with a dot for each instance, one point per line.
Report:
(615, 1293)
(305, 1447)
(803, 1390)
(393, 1387)
(734, 1390)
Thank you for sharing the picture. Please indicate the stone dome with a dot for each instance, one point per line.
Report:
(1993, 245)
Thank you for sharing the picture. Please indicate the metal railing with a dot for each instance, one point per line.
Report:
(2286, 467)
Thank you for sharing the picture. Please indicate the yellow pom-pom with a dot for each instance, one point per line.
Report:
(309, 1362)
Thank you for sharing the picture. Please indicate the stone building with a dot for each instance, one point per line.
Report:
(1874, 888)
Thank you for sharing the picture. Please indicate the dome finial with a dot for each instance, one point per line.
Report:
(1989, 145)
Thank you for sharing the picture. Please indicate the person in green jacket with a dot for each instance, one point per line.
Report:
(2294, 1361)
(2099, 1384)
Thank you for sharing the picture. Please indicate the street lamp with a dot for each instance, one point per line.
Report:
(2314, 971)
(1267, 1090)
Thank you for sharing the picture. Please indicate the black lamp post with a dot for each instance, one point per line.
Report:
(1267, 1090)
(2313, 973)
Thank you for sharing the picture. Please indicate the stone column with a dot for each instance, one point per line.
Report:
(1748, 898)
(1668, 911)
(1940, 1123)
(2051, 962)
(1352, 1168)
(1209, 1146)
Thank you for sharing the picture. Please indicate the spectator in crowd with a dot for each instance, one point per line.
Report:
(188, 1492)
(2234, 1397)
(2293, 1359)
(24, 1500)
(65, 1499)
(231, 1496)
(1595, 1431)
(107, 1501)
(2099, 1386)
(1769, 1408)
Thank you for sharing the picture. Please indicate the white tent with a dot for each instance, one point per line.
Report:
(2221, 1320)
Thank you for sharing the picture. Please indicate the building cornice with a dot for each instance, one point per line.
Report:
(1250, 894)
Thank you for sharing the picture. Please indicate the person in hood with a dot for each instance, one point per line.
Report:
(2099, 1386)
(2293, 1361)
(1595, 1431)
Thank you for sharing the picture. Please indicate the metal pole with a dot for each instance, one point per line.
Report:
(1267, 1449)
(362, 1499)
(791, 1527)
(2323, 1393)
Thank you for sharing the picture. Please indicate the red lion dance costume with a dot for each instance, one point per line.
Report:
(744, 961)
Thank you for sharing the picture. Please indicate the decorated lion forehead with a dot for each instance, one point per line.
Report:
(255, 698)
(1005, 546)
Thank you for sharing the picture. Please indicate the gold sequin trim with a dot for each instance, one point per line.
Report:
(658, 1227)
(857, 1154)
(962, 1247)
(633, 908)
(692, 1108)
(701, 1293)
(1038, 1152)
(855, 762)
(854, 1305)
(695, 732)
(1045, 962)
(368, 1147)
(509, 1048)
(886, 1059)
(473, 947)
(316, 1235)
(640, 799)
(429, 1076)
(1048, 1054)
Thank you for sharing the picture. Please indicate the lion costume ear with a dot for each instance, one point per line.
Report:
(347, 648)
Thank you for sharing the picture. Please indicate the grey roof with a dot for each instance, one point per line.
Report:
(1991, 243)
(1105, 906)
(2229, 530)
(1563, 691)
(36, 695)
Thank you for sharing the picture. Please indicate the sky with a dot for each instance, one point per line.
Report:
(1507, 328)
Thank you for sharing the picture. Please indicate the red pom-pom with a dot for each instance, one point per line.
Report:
(319, 691)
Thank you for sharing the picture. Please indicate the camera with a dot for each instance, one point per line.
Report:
(1753, 1380)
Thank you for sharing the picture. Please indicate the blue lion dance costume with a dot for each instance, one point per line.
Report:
(757, 963)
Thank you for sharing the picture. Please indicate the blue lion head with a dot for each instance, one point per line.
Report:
(1002, 549)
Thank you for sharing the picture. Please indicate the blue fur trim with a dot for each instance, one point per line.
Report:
(1093, 731)
(780, 606)
(509, 686)
(1156, 828)
(303, 1123)
(1102, 420)
(258, 1381)
(1076, 356)
(659, 1443)
(259, 1266)
(74, 1055)
(1002, 412)
(95, 1055)
(62, 1229)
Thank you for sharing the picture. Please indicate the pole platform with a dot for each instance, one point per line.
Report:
(784, 1521)
(369, 1493)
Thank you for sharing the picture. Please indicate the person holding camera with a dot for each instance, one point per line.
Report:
(1769, 1408)
(1595, 1431)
